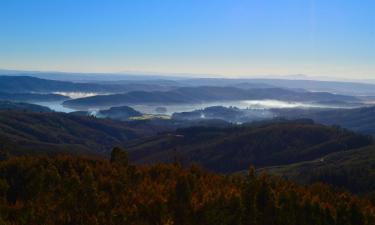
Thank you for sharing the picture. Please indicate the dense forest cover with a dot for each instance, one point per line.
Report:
(22, 106)
(356, 119)
(353, 170)
(74, 190)
(260, 144)
(34, 132)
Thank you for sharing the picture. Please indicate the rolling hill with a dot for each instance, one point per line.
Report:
(235, 148)
(31, 97)
(8, 105)
(357, 119)
(353, 170)
(30, 132)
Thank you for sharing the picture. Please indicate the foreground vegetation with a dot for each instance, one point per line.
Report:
(75, 190)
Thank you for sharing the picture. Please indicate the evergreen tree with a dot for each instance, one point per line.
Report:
(181, 205)
(119, 156)
(248, 198)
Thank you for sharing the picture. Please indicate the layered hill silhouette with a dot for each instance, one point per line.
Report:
(29, 84)
(204, 94)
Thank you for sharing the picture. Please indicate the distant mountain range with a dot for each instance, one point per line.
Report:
(28, 84)
(346, 88)
(116, 82)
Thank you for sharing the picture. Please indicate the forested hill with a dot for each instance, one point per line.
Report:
(205, 94)
(224, 149)
(233, 149)
(21, 106)
(357, 119)
(31, 132)
(353, 170)
(66, 190)
(31, 97)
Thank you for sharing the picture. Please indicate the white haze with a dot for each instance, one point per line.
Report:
(75, 95)
(261, 105)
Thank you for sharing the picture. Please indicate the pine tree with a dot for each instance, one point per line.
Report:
(248, 198)
(181, 205)
(119, 156)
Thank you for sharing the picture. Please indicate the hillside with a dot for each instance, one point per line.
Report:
(31, 97)
(235, 148)
(59, 132)
(358, 119)
(353, 170)
(70, 190)
(122, 113)
(8, 105)
(230, 114)
(204, 94)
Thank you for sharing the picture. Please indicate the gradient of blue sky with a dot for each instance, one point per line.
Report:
(229, 37)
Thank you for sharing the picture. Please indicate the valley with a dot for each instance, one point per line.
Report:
(303, 136)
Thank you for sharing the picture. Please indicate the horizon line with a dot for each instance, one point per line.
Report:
(179, 75)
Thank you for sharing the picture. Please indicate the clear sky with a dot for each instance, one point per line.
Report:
(228, 37)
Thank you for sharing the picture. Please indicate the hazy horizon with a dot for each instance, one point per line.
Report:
(172, 76)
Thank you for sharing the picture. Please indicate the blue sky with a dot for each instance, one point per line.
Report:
(225, 37)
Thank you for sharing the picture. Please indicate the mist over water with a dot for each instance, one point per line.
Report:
(75, 95)
(261, 105)
(173, 108)
(56, 106)
(248, 104)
